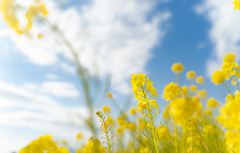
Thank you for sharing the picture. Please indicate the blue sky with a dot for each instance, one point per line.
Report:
(39, 87)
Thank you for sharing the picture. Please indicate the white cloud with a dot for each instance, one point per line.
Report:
(224, 32)
(68, 68)
(52, 76)
(112, 37)
(55, 88)
(60, 89)
(23, 108)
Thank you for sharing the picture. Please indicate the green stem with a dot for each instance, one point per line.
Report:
(205, 144)
(82, 72)
(151, 122)
(176, 138)
(225, 85)
(108, 140)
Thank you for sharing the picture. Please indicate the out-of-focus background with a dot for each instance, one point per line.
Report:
(40, 92)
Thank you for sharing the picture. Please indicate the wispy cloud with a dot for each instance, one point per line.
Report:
(24, 108)
(52, 76)
(114, 37)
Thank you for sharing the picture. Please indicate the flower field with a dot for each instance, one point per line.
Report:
(193, 121)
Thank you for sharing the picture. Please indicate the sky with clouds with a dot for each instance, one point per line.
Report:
(40, 92)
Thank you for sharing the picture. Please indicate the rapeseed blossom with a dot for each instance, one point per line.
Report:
(44, 144)
(200, 80)
(177, 68)
(132, 111)
(94, 145)
(187, 126)
(218, 77)
(236, 4)
(106, 109)
(9, 10)
(193, 88)
(191, 75)
(212, 102)
(172, 91)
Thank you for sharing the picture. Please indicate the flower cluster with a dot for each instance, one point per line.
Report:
(9, 9)
(142, 87)
(42, 145)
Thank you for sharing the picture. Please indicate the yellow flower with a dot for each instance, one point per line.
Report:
(109, 95)
(185, 90)
(209, 129)
(148, 125)
(110, 121)
(79, 136)
(234, 82)
(131, 126)
(229, 58)
(120, 131)
(191, 75)
(212, 103)
(163, 132)
(202, 94)
(193, 88)
(154, 103)
(64, 142)
(166, 114)
(182, 108)
(236, 4)
(94, 145)
(106, 109)
(208, 112)
(79, 151)
(43, 144)
(200, 80)
(132, 111)
(177, 67)
(218, 77)
(232, 141)
(39, 36)
(172, 91)
(8, 8)
(34, 11)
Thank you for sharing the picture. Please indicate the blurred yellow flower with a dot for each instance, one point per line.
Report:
(200, 80)
(109, 95)
(191, 75)
(218, 77)
(9, 9)
(193, 88)
(212, 102)
(202, 94)
(132, 111)
(132, 126)
(106, 109)
(94, 145)
(177, 67)
(79, 136)
(236, 4)
(229, 58)
(43, 144)
(172, 91)
(207, 112)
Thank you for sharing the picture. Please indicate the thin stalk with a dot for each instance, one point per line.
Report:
(82, 72)
(152, 125)
(108, 140)
(178, 78)
(176, 137)
(205, 144)
(225, 85)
